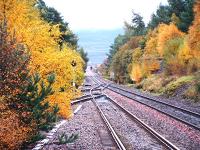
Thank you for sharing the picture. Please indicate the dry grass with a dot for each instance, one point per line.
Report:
(160, 84)
(171, 87)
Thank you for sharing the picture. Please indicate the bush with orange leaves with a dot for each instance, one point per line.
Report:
(166, 33)
(136, 73)
(24, 110)
(194, 30)
(167, 50)
(13, 68)
(13, 132)
(14, 61)
(194, 36)
(42, 38)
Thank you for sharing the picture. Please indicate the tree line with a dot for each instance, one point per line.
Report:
(36, 51)
(168, 45)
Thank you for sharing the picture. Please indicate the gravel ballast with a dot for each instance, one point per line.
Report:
(187, 117)
(93, 134)
(178, 133)
(177, 101)
(132, 135)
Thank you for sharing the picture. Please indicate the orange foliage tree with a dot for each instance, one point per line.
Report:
(122, 60)
(136, 73)
(42, 39)
(194, 31)
(160, 46)
(13, 133)
(166, 33)
(14, 62)
(13, 69)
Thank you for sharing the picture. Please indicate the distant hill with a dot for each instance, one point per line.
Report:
(97, 43)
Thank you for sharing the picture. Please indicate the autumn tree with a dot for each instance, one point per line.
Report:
(123, 47)
(13, 133)
(136, 73)
(165, 33)
(14, 61)
(41, 39)
(120, 65)
(194, 32)
(33, 46)
(53, 17)
(151, 43)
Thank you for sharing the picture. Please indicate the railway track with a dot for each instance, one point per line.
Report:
(107, 123)
(116, 138)
(185, 116)
(84, 99)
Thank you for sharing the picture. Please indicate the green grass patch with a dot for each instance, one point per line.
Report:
(155, 83)
(106, 77)
(193, 92)
(174, 85)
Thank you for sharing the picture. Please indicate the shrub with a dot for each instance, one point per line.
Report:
(197, 81)
(13, 132)
(172, 86)
(192, 93)
(64, 138)
(33, 107)
(156, 83)
(136, 73)
(14, 62)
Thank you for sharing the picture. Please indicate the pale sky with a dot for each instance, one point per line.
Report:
(102, 14)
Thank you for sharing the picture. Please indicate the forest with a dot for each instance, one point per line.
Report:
(162, 56)
(37, 49)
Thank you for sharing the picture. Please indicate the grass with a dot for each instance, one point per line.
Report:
(194, 91)
(192, 94)
(168, 85)
(155, 83)
(174, 85)
(106, 77)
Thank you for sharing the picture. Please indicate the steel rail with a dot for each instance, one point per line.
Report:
(151, 131)
(157, 101)
(194, 114)
(84, 99)
(148, 105)
(155, 134)
(109, 126)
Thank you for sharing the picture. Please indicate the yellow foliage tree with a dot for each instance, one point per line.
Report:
(150, 59)
(151, 44)
(150, 65)
(136, 73)
(41, 38)
(194, 31)
(185, 52)
(166, 33)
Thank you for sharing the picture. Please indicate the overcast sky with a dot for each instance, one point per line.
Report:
(102, 14)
